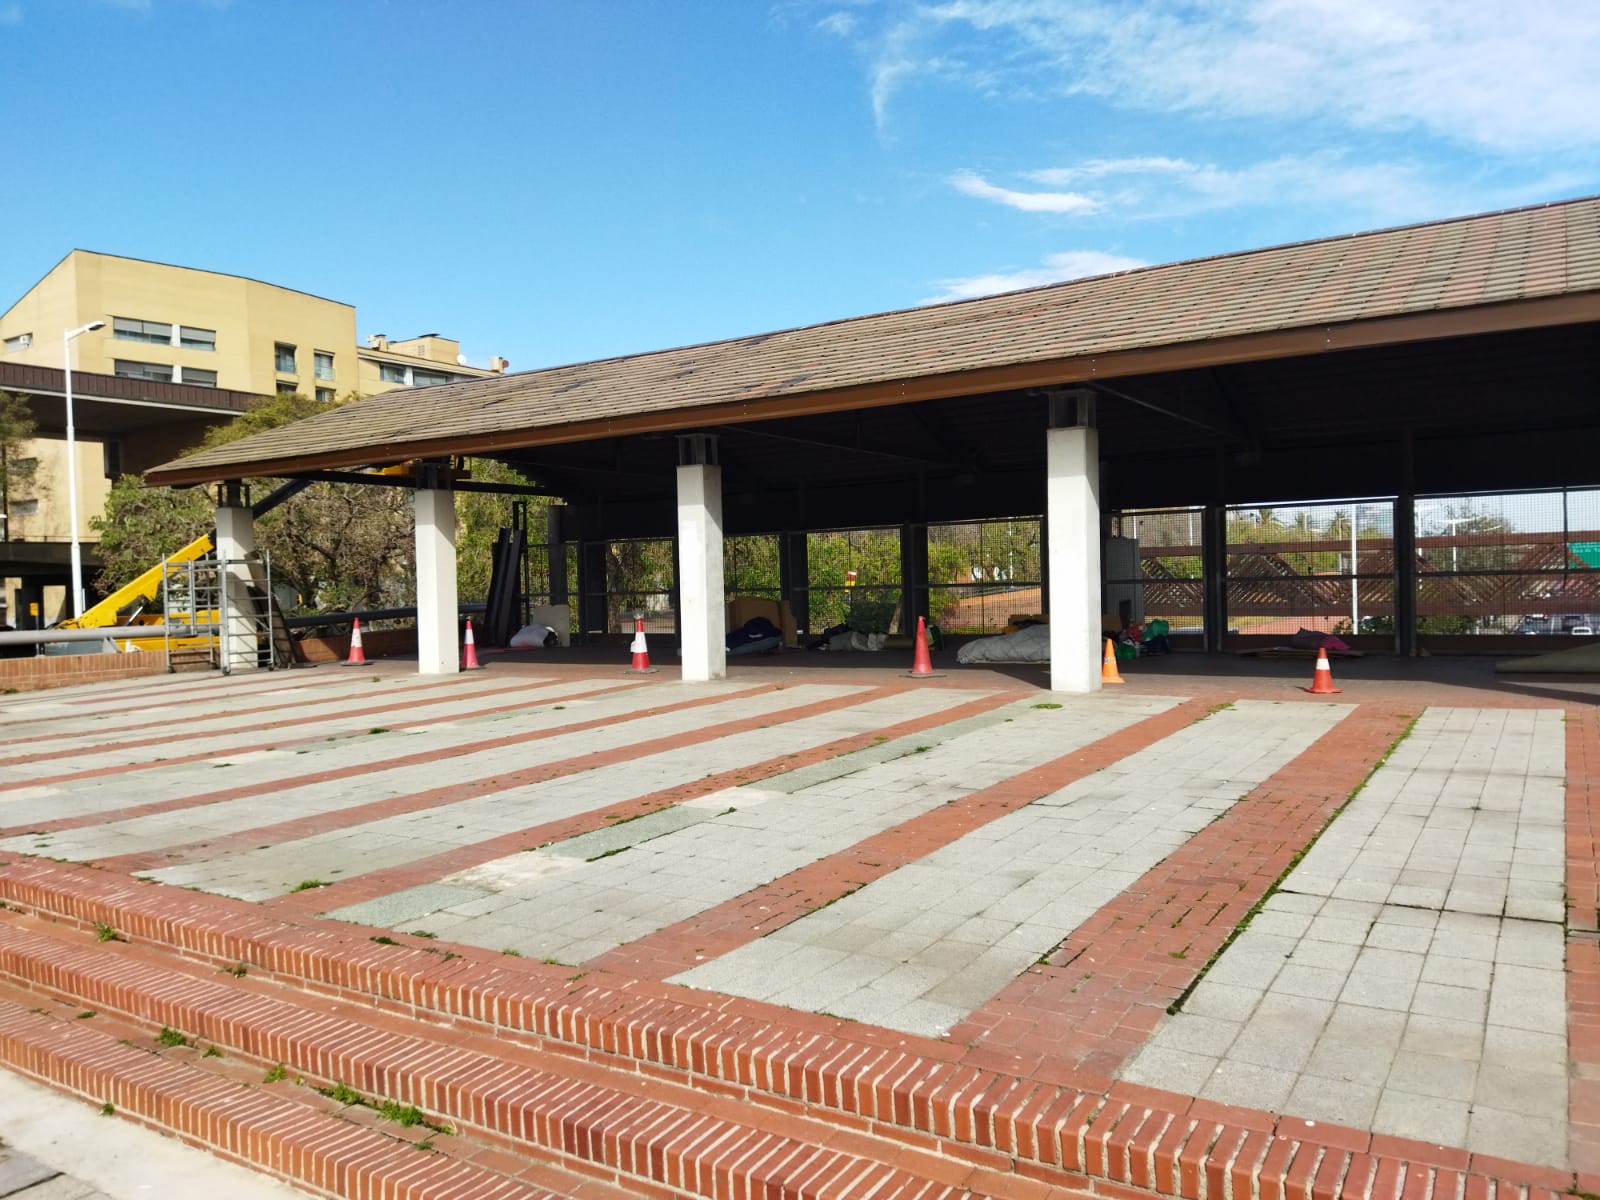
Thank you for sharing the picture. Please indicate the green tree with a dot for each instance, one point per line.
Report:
(17, 467)
(141, 526)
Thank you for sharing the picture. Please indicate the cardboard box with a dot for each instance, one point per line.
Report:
(747, 608)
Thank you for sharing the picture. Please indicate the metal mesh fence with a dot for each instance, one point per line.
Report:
(1521, 562)
(983, 573)
(1152, 566)
(855, 580)
(1327, 567)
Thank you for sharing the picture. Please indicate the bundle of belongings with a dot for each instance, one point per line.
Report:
(756, 636)
(1029, 644)
(534, 637)
(842, 637)
(1144, 637)
(1310, 639)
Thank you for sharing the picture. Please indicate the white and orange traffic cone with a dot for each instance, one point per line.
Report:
(358, 656)
(1108, 665)
(921, 661)
(469, 651)
(1322, 679)
(641, 651)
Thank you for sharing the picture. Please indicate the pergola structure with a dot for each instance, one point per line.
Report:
(1457, 355)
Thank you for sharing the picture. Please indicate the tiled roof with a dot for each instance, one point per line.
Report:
(1521, 255)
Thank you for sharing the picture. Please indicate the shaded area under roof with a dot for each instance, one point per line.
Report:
(1164, 329)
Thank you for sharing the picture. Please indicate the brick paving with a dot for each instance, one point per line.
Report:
(1020, 1088)
(921, 948)
(1407, 977)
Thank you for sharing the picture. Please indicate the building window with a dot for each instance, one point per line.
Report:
(324, 395)
(390, 373)
(322, 364)
(286, 387)
(198, 376)
(191, 338)
(25, 508)
(283, 356)
(21, 342)
(158, 372)
(111, 454)
(428, 378)
(131, 329)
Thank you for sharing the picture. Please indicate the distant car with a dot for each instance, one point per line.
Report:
(1582, 631)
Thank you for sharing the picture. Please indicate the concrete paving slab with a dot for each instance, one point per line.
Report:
(1444, 1002)
(394, 841)
(1133, 813)
(643, 875)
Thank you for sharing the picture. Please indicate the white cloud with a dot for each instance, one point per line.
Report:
(972, 184)
(1070, 264)
(1509, 78)
(1169, 188)
(840, 24)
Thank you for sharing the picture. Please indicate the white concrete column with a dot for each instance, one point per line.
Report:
(702, 613)
(1072, 458)
(438, 640)
(236, 541)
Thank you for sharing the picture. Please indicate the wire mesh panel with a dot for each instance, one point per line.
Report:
(1153, 565)
(639, 580)
(855, 579)
(1327, 567)
(1521, 562)
(750, 565)
(982, 573)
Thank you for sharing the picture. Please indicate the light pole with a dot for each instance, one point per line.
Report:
(72, 466)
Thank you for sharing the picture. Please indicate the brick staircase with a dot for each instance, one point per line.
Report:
(554, 1081)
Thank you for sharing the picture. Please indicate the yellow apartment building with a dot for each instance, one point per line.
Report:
(171, 326)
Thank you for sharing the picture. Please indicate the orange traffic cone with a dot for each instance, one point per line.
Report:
(1108, 665)
(358, 656)
(641, 651)
(921, 663)
(1322, 679)
(469, 660)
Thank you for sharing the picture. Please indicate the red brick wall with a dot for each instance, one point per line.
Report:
(374, 644)
(64, 670)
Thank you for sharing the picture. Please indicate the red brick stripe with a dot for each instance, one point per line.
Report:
(205, 755)
(357, 770)
(426, 870)
(177, 732)
(249, 1126)
(361, 814)
(1102, 993)
(1583, 942)
(560, 1104)
(862, 1077)
(758, 912)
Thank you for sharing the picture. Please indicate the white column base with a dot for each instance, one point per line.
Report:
(1072, 459)
(702, 614)
(438, 640)
(237, 635)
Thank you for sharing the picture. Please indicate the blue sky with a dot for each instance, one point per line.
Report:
(562, 180)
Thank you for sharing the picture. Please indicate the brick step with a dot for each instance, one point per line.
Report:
(1012, 1129)
(288, 1132)
(555, 1108)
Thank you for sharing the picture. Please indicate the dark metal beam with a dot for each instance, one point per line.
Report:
(1226, 428)
(843, 447)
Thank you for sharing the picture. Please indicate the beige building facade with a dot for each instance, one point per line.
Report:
(173, 325)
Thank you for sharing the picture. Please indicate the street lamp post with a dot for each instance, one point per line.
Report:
(72, 466)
